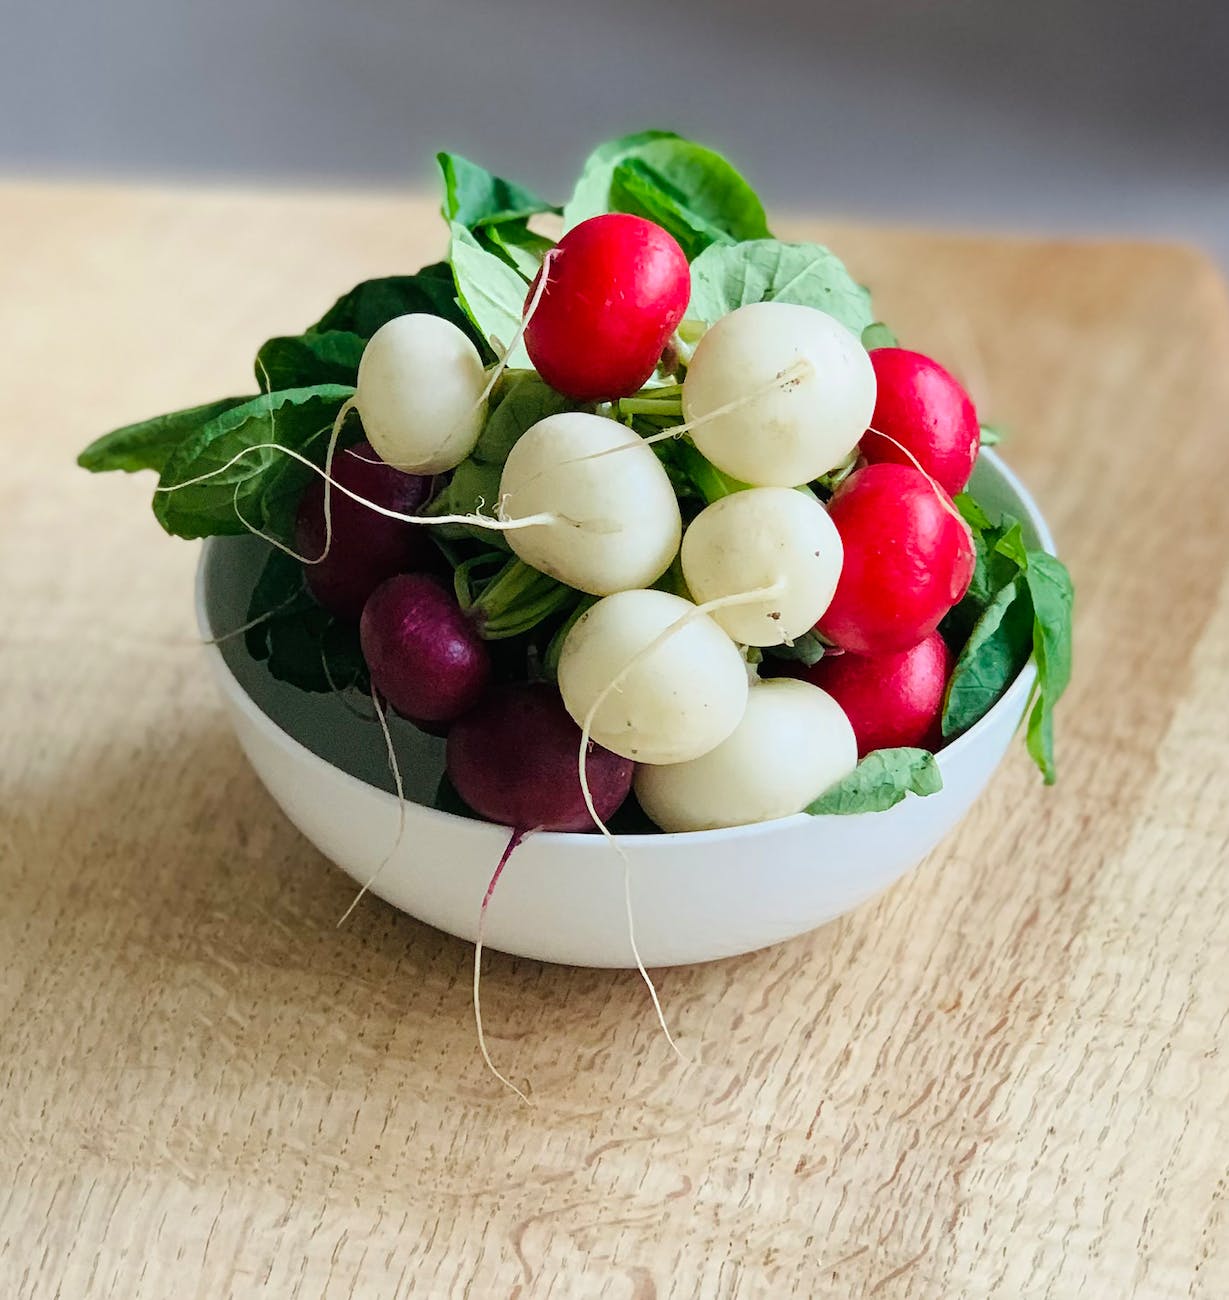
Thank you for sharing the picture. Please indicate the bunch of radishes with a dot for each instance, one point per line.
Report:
(775, 396)
(657, 506)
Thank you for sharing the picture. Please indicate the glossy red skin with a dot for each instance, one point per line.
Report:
(367, 547)
(925, 409)
(890, 699)
(424, 655)
(908, 559)
(514, 761)
(617, 287)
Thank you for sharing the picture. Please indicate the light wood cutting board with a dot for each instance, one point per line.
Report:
(1007, 1077)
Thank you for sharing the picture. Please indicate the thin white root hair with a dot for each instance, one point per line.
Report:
(534, 303)
(345, 703)
(252, 622)
(513, 840)
(475, 520)
(792, 375)
(586, 730)
(944, 500)
(395, 768)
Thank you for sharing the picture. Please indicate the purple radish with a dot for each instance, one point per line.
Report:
(514, 761)
(423, 652)
(366, 547)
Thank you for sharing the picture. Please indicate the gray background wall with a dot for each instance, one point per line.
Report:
(1085, 115)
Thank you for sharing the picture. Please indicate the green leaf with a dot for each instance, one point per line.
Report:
(806, 649)
(148, 444)
(516, 599)
(877, 335)
(1053, 596)
(993, 657)
(638, 189)
(473, 487)
(516, 244)
(301, 643)
(991, 435)
(693, 191)
(999, 556)
(697, 205)
(765, 270)
(491, 292)
(375, 302)
(880, 781)
(304, 360)
(709, 481)
(1011, 545)
(550, 660)
(300, 418)
(528, 400)
(977, 519)
(592, 193)
(475, 197)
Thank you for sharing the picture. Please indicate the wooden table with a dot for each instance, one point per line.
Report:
(1006, 1078)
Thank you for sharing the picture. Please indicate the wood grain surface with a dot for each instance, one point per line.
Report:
(1005, 1078)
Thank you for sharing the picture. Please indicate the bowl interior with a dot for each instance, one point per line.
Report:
(332, 728)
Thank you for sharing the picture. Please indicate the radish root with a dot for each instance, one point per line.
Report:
(474, 520)
(719, 602)
(944, 500)
(513, 841)
(395, 769)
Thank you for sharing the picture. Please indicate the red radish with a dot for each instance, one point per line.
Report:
(890, 699)
(617, 286)
(366, 547)
(924, 408)
(514, 761)
(423, 652)
(908, 558)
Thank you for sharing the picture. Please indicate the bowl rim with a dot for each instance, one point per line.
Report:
(295, 749)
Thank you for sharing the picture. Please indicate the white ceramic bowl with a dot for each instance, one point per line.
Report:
(696, 896)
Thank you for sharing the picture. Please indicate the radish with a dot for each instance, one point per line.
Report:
(357, 548)
(890, 699)
(793, 742)
(614, 519)
(616, 288)
(927, 417)
(757, 537)
(421, 393)
(513, 760)
(679, 683)
(778, 394)
(424, 654)
(908, 559)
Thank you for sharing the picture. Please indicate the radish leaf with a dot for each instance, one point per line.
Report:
(300, 418)
(476, 197)
(299, 361)
(302, 644)
(375, 302)
(766, 270)
(149, 443)
(880, 781)
(491, 293)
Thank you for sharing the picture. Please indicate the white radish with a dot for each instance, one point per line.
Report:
(685, 689)
(616, 518)
(794, 741)
(753, 539)
(778, 434)
(421, 394)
